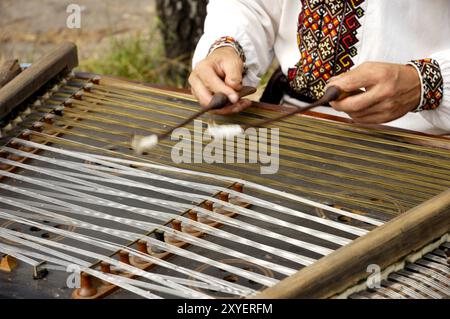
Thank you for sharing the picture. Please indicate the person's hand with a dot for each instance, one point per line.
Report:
(391, 91)
(220, 72)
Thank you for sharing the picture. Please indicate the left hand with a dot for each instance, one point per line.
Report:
(391, 91)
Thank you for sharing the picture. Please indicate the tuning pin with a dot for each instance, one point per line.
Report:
(49, 118)
(68, 102)
(78, 95)
(88, 87)
(14, 144)
(25, 135)
(37, 126)
(59, 110)
(96, 79)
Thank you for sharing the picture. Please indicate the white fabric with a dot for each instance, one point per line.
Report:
(394, 31)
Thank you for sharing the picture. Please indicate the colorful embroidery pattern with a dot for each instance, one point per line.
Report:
(228, 42)
(327, 35)
(432, 84)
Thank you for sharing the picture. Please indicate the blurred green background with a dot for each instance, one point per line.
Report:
(145, 40)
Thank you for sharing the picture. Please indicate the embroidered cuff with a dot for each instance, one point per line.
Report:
(432, 84)
(228, 42)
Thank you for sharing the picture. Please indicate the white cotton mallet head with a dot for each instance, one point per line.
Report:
(224, 131)
(143, 144)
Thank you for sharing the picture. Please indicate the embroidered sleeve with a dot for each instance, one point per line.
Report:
(432, 84)
(228, 42)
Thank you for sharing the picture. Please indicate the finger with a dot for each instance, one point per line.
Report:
(362, 76)
(232, 69)
(381, 113)
(375, 109)
(392, 108)
(234, 108)
(200, 91)
(358, 102)
(375, 118)
(215, 84)
(333, 79)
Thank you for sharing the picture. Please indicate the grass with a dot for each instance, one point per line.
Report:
(139, 57)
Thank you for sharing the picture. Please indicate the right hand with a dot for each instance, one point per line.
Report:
(220, 72)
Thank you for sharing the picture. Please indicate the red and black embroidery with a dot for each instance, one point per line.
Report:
(327, 35)
(432, 84)
(228, 42)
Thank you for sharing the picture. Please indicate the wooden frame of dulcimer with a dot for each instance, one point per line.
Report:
(344, 271)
